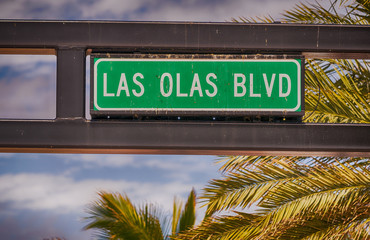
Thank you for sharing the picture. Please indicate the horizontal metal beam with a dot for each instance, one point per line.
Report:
(185, 37)
(221, 138)
(28, 51)
(332, 55)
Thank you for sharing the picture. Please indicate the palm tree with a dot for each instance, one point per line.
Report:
(299, 197)
(115, 217)
(296, 199)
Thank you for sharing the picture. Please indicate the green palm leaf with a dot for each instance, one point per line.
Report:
(117, 218)
(356, 230)
(187, 218)
(184, 219)
(244, 187)
(113, 216)
(304, 202)
(177, 206)
(339, 101)
(339, 12)
(219, 227)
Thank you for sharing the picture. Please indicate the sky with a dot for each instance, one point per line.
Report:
(46, 195)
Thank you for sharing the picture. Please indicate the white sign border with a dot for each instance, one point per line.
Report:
(199, 109)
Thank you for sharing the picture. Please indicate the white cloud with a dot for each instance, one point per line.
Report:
(47, 197)
(65, 195)
(39, 9)
(28, 90)
(159, 10)
(112, 8)
(6, 155)
(217, 11)
(187, 169)
(22, 98)
(25, 62)
(99, 160)
(170, 163)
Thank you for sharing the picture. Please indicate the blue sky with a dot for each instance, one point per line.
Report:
(44, 195)
(51, 191)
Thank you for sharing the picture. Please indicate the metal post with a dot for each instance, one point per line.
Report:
(71, 70)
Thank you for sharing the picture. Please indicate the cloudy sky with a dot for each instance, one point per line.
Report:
(44, 195)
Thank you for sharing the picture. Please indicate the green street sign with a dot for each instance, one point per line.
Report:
(176, 86)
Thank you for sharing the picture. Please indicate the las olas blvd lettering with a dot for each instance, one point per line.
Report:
(213, 85)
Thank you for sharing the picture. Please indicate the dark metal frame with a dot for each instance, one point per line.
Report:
(184, 137)
(71, 132)
(180, 37)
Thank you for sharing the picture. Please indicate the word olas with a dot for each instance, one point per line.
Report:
(200, 87)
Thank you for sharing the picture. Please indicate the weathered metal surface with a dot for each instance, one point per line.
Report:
(71, 72)
(70, 132)
(181, 137)
(177, 37)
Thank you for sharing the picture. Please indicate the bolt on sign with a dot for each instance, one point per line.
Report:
(179, 85)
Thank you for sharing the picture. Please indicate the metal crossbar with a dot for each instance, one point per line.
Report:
(70, 132)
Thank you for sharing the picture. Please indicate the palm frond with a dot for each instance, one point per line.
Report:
(263, 19)
(339, 102)
(155, 221)
(220, 227)
(339, 12)
(233, 163)
(298, 196)
(184, 218)
(115, 217)
(187, 218)
(177, 206)
(357, 229)
(246, 187)
(362, 10)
